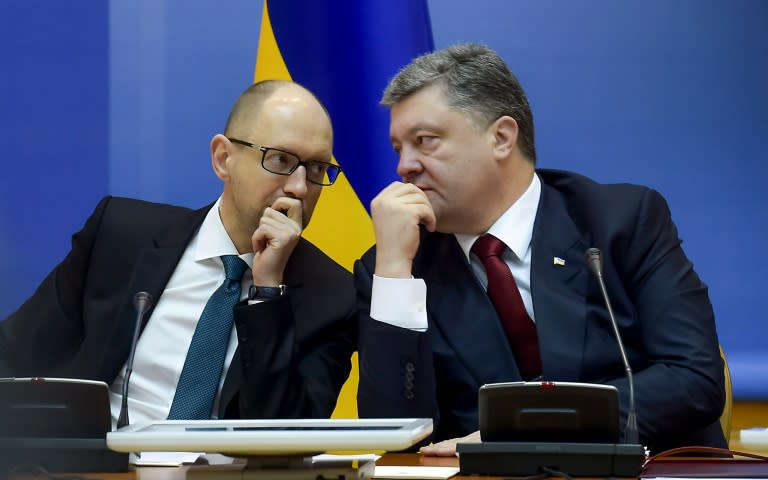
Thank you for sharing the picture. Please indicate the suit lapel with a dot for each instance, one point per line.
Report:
(559, 281)
(153, 268)
(463, 314)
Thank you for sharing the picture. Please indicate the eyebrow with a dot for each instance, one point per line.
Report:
(313, 158)
(416, 128)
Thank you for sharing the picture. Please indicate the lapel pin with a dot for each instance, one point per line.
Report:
(558, 261)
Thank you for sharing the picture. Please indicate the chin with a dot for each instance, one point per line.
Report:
(445, 224)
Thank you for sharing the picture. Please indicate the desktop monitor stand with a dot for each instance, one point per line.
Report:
(284, 467)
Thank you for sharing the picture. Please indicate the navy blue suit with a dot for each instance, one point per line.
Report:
(662, 309)
(293, 353)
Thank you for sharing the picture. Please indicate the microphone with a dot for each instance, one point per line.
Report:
(594, 259)
(141, 301)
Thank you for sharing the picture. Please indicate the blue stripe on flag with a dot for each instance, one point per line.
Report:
(346, 52)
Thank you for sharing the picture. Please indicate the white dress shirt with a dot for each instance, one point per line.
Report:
(162, 347)
(514, 228)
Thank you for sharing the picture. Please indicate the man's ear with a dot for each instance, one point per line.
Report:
(505, 133)
(221, 149)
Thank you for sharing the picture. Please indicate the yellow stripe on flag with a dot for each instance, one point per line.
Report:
(269, 61)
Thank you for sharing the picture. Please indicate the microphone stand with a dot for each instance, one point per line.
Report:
(141, 301)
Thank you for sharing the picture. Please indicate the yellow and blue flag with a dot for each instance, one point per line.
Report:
(345, 52)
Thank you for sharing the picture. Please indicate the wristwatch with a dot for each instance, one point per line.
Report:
(265, 293)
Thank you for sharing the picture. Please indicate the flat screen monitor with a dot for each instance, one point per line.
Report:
(271, 437)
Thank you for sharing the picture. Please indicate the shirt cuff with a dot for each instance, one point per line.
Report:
(401, 302)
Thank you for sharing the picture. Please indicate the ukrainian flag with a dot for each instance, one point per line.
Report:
(345, 51)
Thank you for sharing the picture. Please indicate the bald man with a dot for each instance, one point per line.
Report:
(288, 329)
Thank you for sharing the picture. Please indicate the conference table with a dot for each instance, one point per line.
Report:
(396, 459)
(181, 473)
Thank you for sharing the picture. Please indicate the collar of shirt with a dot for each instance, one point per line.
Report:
(213, 240)
(515, 226)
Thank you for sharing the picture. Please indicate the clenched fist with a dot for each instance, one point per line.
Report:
(275, 238)
(397, 211)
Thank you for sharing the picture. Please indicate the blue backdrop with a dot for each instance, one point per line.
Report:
(123, 97)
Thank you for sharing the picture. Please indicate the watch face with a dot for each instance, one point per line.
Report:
(265, 293)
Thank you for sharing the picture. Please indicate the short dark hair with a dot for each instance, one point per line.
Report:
(476, 81)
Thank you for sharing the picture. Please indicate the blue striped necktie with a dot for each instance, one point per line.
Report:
(200, 376)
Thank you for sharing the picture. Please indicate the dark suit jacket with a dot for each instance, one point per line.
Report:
(293, 353)
(662, 308)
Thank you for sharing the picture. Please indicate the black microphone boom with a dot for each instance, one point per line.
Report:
(512, 441)
(141, 301)
(593, 257)
(545, 412)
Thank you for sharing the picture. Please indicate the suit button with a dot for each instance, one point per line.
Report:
(408, 394)
(410, 367)
(409, 377)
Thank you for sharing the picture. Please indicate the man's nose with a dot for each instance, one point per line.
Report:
(409, 163)
(296, 184)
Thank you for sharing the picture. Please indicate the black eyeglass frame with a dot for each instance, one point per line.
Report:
(263, 149)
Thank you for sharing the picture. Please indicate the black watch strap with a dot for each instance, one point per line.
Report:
(265, 293)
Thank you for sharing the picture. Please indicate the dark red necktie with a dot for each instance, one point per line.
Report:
(520, 329)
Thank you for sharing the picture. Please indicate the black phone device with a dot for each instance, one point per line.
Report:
(528, 428)
(56, 424)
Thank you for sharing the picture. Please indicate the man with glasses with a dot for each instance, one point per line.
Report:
(249, 320)
(484, 254)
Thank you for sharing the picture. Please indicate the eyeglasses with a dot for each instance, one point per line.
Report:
(281, 162)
